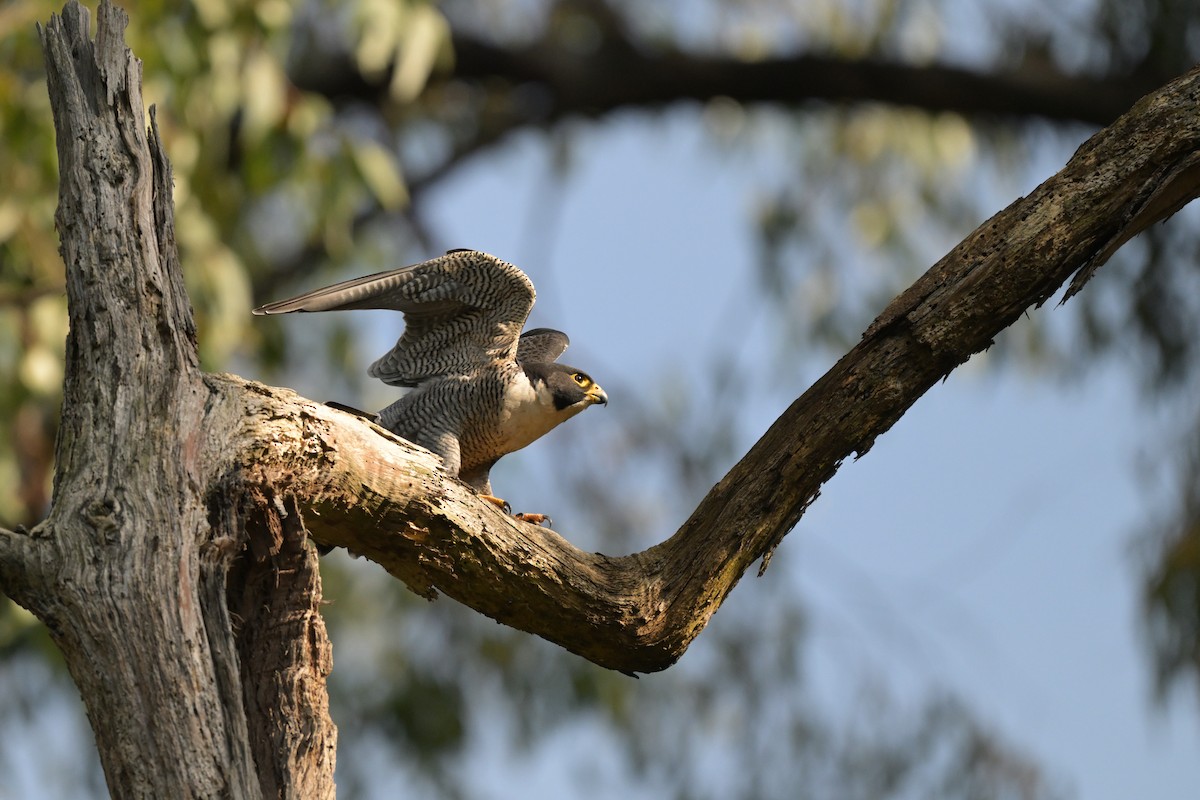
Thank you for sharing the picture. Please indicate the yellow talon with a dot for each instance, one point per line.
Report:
(500, 503)
(536, 519)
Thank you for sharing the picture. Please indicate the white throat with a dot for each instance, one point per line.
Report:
(528, 412)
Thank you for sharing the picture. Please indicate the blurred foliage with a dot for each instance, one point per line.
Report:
(900, 178)
(277, 178)
(1170, 557)
(262, 172)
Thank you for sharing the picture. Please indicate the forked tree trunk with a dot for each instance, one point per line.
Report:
(175, 570)
(143, 558)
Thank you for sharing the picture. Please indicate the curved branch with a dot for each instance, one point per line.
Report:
(619, 77)
(15, 558)
(559, 81)
(387, 500)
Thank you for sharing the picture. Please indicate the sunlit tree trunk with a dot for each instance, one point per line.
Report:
(201, 663)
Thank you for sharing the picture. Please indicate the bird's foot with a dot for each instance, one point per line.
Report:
(503, 505)
(367, 415)
(498, 502)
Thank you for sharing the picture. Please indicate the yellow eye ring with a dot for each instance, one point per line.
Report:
(581, 379)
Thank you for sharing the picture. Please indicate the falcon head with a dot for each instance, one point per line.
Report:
(568, 388)
(542, 397)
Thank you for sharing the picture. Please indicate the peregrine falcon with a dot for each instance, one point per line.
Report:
(478, 387)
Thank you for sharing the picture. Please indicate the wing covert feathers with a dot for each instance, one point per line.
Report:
(541, 346)
(462, 312)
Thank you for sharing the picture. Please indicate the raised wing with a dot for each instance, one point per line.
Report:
(462, 311)
(541, 346)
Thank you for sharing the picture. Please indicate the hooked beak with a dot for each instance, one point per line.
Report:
(597, 396)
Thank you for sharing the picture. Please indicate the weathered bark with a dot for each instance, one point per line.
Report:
(275, 598)
(131, 569)
(174, 572)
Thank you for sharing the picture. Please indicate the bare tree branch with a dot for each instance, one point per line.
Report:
(558, 81)
(569, 83)
(380, 497)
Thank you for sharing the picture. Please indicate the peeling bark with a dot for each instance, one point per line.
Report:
(175, 571)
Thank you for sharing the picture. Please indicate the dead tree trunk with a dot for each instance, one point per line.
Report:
(175, 572)
(132, 570)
